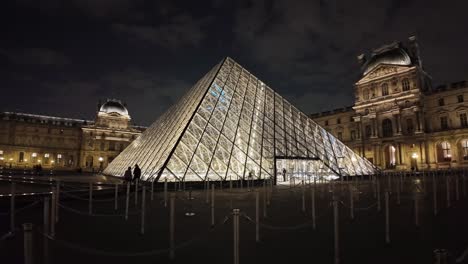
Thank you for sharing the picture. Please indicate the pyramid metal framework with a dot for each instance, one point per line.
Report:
(230, 125)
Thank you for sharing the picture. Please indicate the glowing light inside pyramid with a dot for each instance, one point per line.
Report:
(230, 126)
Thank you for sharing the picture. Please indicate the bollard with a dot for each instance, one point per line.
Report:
(127, 201)
(464, 184)
(12, 207)
(351, 202)
(46, 215)
(28, 243)
(171, 226)
(136, 192)
(336, 230)
(416, 210)
(434, 192)
(116, 194)
(212, 205)
(398, 188)
(257, 216)
(387, 218)
(264, 200)
(378, 195)
(312, 194)
(440, 256)
(447, 184)
(457, 192)
(207, 191)
(57, 200)
(235, 221)
(165, 192)
(46, 223)
(230, 186)
(303, 198)
(90, 205)
(52, 214)
(152, 189)
(143, 201)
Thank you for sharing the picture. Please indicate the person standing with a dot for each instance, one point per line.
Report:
(136, 172)
(284, 174)
(128, 174)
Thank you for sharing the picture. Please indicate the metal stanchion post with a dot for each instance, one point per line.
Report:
(235, 220)
(116, 194)
(312, 194)
(387, 218)
(447, 184)
(378, 195)
(264, 200)
(464, 184)
(457, 191)
(165, 192)
(46, 224)
(171, 226)
(127, 200)
(28, 243)
(351, 202)
(416, 210)
(143, 202)
(303, 198)
(90, 205)
(398, 190)
(152, 190)
(257, 216)
(57, 200)
(434, 192)
(12, 207)
(136, 192)
(207, 191)
(52, 214)
(212, 205)
(336, 230)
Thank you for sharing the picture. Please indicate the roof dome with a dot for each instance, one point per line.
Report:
(395, 56)
(114, 106)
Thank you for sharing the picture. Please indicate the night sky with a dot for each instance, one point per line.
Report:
(60, 58)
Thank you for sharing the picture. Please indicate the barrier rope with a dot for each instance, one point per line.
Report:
(22, 208)
(94, 214)
(96, 200)
(154, 252)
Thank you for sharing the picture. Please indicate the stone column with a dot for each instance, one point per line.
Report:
(398, 120)
(418, 121)
(402, 161)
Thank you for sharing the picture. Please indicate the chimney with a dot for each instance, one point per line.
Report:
(361, 59)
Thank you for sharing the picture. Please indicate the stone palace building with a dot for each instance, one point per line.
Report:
(64, 143)
(399, 121)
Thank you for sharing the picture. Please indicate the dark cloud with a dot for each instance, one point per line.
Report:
(149, 53)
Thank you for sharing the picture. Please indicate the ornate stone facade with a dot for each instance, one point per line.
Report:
(65, 143)
(399, 121)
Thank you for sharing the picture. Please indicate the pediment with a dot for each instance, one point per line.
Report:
(383, 70)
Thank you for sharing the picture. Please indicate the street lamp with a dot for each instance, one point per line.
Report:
(101, 159)
(415, 162)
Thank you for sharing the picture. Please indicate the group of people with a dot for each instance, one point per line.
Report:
(129, 176)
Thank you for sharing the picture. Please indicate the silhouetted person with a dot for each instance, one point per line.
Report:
(136, 172)
(128, 174)
(284, 174)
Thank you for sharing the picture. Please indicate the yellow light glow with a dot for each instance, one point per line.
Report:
(38, 161)
(11, 159)
(25, 160)
(52, 161)
(1, 158)
(415, 155)
(101, 159)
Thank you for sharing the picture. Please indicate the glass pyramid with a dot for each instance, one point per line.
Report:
(230, 125)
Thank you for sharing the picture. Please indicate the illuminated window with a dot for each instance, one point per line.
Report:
(463, 120)
(445, 151)
(464, 145)
(384, 89)
(46, 155)
(443, 122)
(34, 155)
(1, 152)
(405, 84)
(59, 156)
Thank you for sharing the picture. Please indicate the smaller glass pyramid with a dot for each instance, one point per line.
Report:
(230, 126)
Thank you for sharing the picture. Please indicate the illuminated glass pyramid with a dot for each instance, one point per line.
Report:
(230, 125)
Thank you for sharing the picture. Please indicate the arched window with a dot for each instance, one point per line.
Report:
(365, 94)
(372, 91)
(464, 147)
(384, 89)
(387, 129)
(444, 152)
(405, 84)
